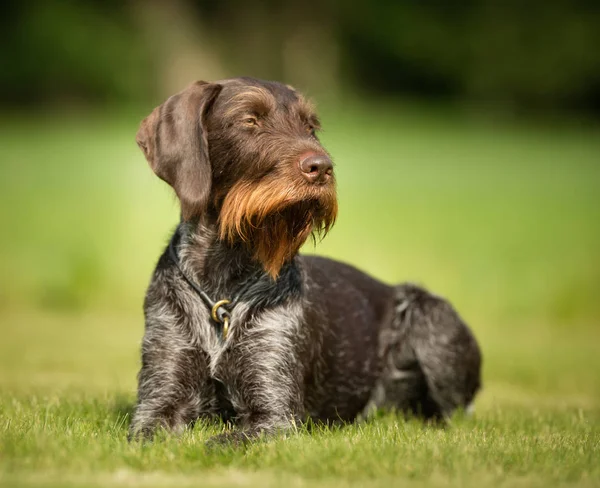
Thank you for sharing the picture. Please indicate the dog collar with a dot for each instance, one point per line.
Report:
(218, 312)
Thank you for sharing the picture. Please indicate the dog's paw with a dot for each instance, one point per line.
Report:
(141, 435)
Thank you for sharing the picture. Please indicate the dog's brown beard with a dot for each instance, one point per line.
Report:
(275, 220)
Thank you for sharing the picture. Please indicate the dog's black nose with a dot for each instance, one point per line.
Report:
(316, 168)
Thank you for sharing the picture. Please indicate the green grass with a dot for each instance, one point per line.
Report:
(82, 440)
(503, 219)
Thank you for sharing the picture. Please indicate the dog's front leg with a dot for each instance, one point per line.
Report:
(265, 374)
(174, 386)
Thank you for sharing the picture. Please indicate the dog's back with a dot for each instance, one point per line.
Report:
(394, 347)
(349, 308)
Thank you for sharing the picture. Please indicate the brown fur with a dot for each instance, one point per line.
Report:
(269, 188)
(259, 215)
(195, 139)
(253, 99)
(267, 184)
(168, 137)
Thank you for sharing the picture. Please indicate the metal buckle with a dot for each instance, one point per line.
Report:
(225, 320)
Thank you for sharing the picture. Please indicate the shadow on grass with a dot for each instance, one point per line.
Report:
(123, 406)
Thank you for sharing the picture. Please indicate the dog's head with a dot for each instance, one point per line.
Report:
(245, 153)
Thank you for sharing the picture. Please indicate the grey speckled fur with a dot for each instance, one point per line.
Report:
(323, 340)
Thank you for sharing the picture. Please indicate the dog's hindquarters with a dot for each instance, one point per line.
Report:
(431, 360)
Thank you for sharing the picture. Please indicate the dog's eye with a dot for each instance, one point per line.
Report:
(310, 130)
(250, 121)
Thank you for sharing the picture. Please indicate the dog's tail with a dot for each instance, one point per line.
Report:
(445, 350)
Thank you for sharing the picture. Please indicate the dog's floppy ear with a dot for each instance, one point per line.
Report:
(173, 139)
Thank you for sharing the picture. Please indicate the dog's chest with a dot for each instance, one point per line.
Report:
(209, 337)
(257, 354)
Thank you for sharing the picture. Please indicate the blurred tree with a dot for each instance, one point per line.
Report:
(74, 51)
(285, 40)
(534, 54)
(538, 54)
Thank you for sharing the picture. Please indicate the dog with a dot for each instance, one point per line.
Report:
(238, 325)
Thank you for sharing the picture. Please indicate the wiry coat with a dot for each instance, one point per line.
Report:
(309, 337)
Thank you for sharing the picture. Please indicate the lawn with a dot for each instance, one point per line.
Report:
(502, 218)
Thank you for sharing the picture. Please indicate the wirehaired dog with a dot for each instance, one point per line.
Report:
(239, 325)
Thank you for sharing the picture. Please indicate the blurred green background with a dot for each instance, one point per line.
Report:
(467, 148)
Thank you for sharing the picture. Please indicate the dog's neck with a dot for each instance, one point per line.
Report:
(219, 268)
